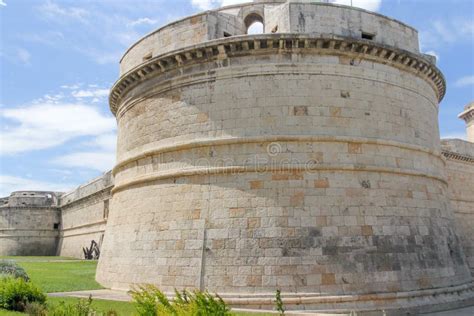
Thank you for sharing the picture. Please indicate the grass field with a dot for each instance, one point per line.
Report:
(58, 274)
(61, 274)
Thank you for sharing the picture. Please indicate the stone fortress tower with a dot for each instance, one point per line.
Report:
(305, 159)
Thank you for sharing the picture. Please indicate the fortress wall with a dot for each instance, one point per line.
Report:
(460, 172)
(29, 224)
(84, 214)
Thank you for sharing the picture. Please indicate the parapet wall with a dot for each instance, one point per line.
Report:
(297, 17)
(84, 213)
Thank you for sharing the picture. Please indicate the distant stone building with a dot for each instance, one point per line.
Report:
(305, 159)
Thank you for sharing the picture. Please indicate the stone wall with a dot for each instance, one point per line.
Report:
(29, 224)
(460, 172)
(84, 213)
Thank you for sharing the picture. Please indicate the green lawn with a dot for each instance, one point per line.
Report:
(8, 313)
(62, 274)
(58, 274)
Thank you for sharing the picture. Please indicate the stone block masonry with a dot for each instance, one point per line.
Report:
(305, 159)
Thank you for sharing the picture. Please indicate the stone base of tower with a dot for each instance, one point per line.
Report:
(397, 303)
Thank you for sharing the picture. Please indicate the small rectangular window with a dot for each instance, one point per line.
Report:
(56, 226)
(227, 34)
(368, 36)
(106, 209)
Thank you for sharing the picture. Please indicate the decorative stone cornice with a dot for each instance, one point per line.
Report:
(273, 44)
(468, 114)
(456, 156)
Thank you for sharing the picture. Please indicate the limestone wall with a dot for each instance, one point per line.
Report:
(84, 214)
(307, 164)
(460, 172)
(29, 224)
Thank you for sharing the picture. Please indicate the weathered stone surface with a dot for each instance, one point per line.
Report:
(312, 158)
(305, 160)
(29, 224)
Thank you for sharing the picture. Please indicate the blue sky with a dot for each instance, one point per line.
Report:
(58, 58)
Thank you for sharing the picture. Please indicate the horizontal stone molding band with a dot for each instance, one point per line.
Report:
(82, 234)
(27, 230)
(85, 225)
(199, 143)
(423, 299)
(255, 169)
(221, 49)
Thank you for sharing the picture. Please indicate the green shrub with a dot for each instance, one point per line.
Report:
(150, 301)
(15, 294)
(279, 303)
(79, 308)
(9, 268)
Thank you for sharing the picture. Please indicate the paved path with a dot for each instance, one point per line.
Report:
(115, 295)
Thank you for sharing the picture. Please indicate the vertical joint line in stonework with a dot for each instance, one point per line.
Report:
(203, 259)
(202, 272)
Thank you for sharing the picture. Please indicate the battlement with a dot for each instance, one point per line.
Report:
(297, 17)
(94, 186)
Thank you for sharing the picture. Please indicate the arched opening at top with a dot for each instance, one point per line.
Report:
(254, 23)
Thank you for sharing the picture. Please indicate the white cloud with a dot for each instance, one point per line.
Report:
(143, 21)
(93, 93)
(71, 87)
(449, 31)
(46, 125)
(100, 161)
(23, 56)
(45, 37)
(10, 184)
(256, 28)
(210, 4)
(203, 4)
(52, 11)
(371, 5)
(465, 81)
(99, 154)
(2, 3)
(232, 2)
(106, 142)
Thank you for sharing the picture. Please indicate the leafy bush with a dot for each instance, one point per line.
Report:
(9, 268)
(150, 301)
(80, 308)
(15, 294)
